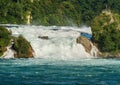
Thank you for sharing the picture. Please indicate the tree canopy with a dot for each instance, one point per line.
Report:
(54, 12)
(106, 31)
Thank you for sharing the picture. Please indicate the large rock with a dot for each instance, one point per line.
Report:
(25, 55)
(23, 48)
(85, 42)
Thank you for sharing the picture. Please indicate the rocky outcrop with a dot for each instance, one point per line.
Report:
(11, 47)
(85, 42)
(23, 48)
(93, 50)
(88, 45)
(25, 55)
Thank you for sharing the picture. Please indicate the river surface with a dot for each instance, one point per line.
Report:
(59, 72)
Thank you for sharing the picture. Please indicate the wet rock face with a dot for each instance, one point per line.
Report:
(85, 42)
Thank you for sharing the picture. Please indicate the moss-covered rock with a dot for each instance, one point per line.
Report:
(22, 47)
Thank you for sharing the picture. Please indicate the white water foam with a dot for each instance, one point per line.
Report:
(9, 53)
(61, 42)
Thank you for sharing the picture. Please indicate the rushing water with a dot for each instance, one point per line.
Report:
(60, 43)
(52, 72)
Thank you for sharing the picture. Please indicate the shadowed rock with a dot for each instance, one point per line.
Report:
(85, 42)
(43, 37)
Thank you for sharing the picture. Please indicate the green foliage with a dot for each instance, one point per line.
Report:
(21, 46)
(97, 25)
(5, 37)
(106, 33)
(54, 12)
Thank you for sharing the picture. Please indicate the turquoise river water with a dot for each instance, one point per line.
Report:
(54, 72)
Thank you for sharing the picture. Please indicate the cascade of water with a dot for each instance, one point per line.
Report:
(94, 51)
(9, 53)
(53, 42)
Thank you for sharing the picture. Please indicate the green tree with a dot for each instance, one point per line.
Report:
(5, 37)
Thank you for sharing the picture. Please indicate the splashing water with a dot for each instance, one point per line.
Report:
(53, 42)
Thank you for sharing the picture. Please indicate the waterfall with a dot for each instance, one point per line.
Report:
(53, 42)
(9, 53)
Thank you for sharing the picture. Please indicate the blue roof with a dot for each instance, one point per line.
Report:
(89, 36)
